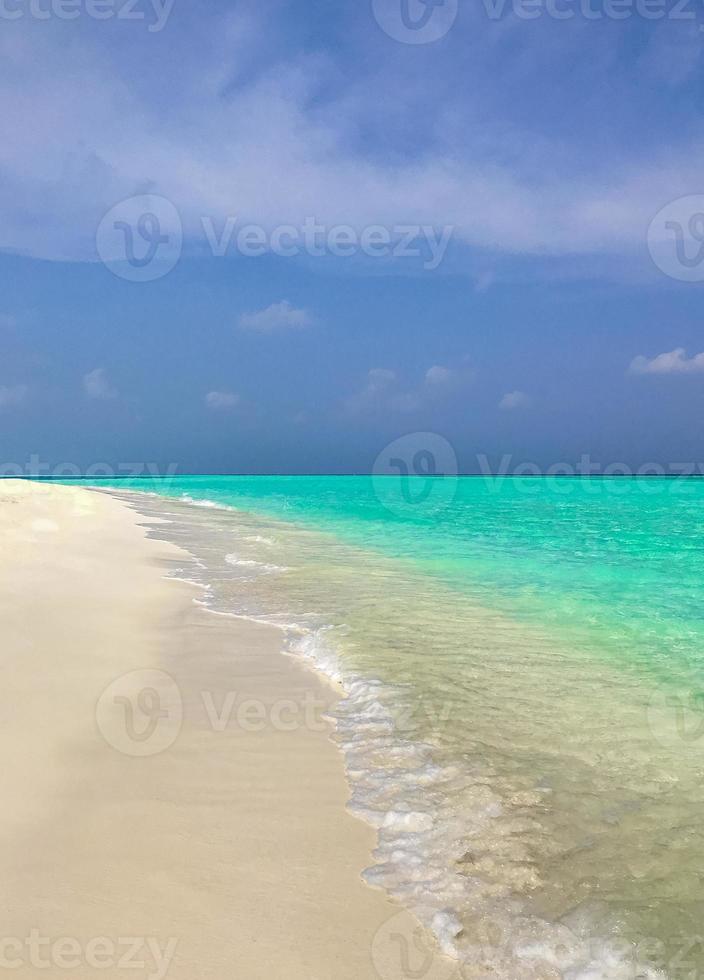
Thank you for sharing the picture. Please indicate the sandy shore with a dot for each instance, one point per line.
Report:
(186, 820)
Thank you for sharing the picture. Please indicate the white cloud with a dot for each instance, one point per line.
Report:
(13, 395)
(438, 375)
(383, 391)
(221, 400)
(271, 153)
(96, 385)
(671, 362)
(379, 382)
(514, 399)
(278, 316)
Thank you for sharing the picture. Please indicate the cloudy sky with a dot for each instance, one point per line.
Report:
(275, 236)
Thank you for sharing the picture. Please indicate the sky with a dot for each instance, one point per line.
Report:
(279, 236)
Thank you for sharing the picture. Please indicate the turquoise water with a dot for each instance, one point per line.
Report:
(522, 720)
(620, 556)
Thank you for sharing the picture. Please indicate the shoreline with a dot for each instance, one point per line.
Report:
(214, 830)
(422, 838)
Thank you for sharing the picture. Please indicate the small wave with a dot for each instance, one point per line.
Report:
(210, 504)
(260, 620)
(189, 581)
(250, 563)
(260, 539)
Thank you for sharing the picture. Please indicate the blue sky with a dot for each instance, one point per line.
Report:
(549, 162)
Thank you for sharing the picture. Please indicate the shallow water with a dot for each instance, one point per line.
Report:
(523, 721)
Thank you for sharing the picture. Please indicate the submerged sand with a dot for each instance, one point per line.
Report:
(172, 806)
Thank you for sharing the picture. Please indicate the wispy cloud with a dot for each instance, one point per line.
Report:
(220, 401)
(278, 316)
(514, 399)
(380, 382)
(96, 385)
(385, 391)
(438, 375)
(12, 395)
(670, 362)
(261, 144)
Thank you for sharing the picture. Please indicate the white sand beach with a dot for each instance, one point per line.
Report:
(187, 821)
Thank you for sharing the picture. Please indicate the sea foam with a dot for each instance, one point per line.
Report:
(432, 821)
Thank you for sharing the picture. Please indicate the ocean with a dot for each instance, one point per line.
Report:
(522, 717)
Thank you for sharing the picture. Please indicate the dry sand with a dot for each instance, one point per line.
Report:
(189, 817)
